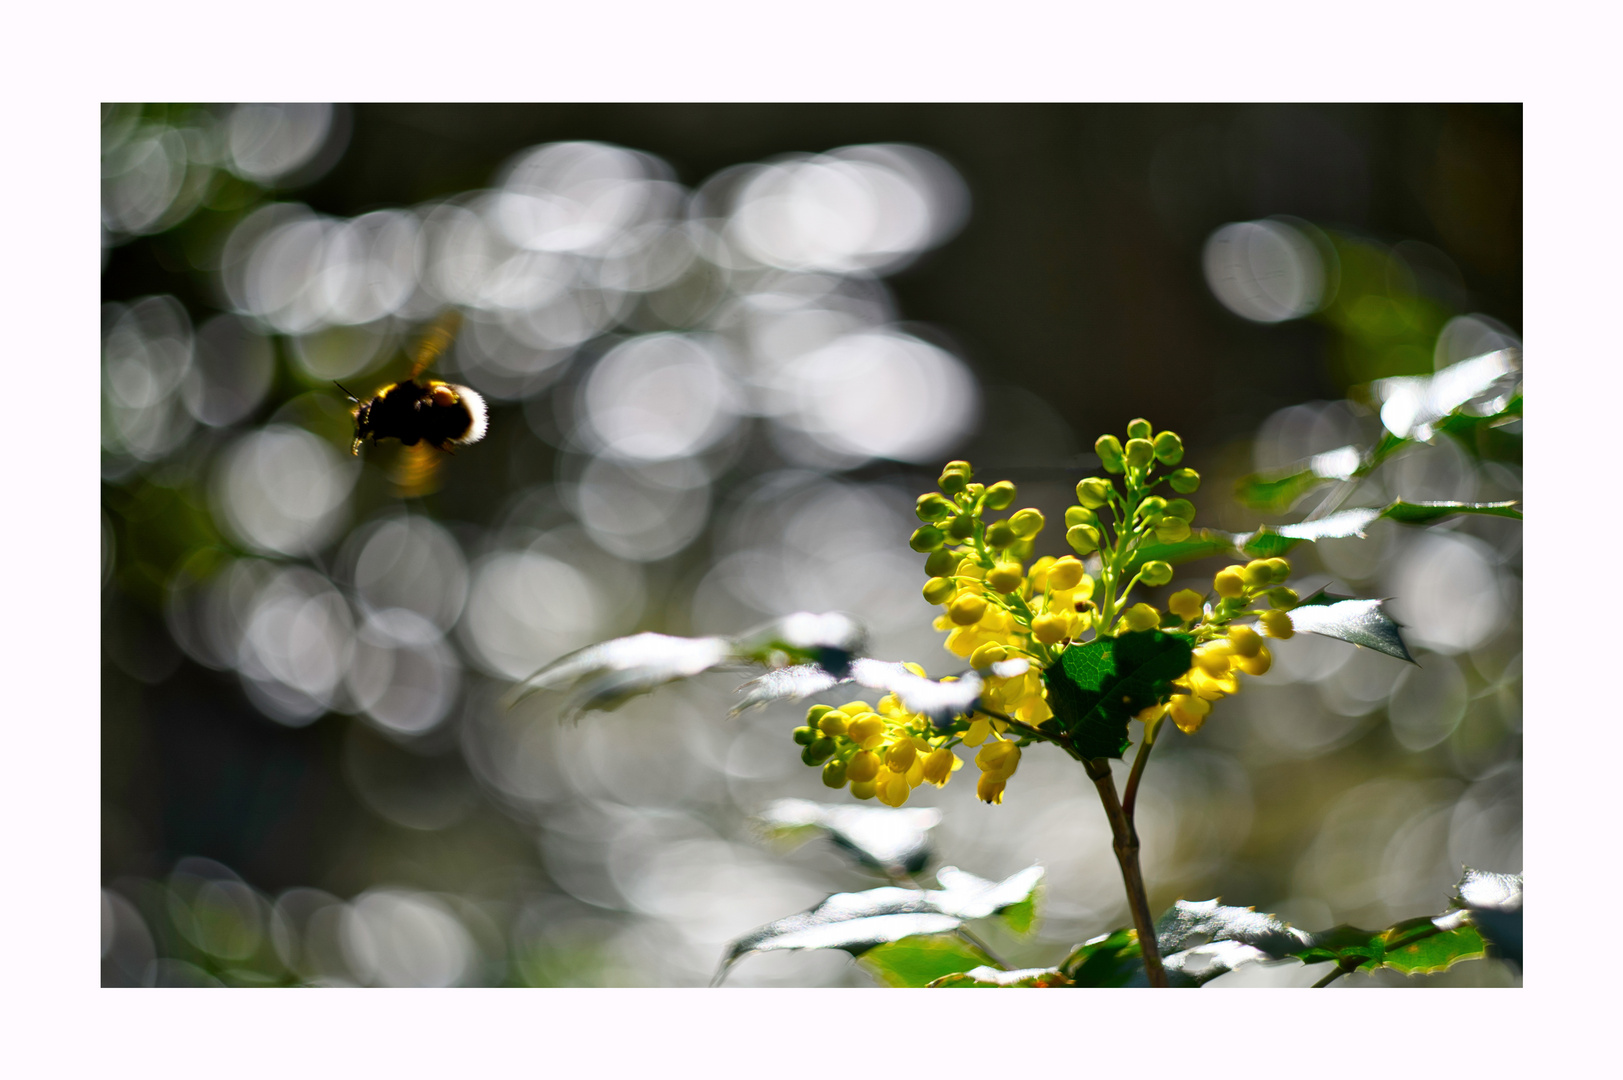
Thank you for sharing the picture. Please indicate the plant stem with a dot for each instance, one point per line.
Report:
(965, 933)
(1346, 967)
(1125, 844)
(1129, 796)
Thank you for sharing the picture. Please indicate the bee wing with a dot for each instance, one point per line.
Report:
(416, 470)
(435, 341)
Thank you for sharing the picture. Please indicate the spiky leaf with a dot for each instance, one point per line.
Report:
(1112, 959)
(1096, 688)
(894, 842)
(858, 922)
(1360, 622)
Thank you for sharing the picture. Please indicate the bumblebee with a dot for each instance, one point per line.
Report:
(427, 416)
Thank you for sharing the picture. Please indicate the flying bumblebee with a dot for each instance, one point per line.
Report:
(427, 416)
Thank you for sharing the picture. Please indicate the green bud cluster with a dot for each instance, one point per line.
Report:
(955, 524)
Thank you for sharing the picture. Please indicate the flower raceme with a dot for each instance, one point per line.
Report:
(998, 603)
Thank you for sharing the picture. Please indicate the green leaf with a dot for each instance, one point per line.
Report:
(921, 960)
(1112, 959)
(894, 842)
(1200, 544)
(994, 977)
(1096, 688)
(859, 922)
(1360, 622)
(1202, 940)
(1424, 513)
(1277, 493)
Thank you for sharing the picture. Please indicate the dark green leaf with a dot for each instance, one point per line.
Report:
(1112, 959)
(1200, 544)
(1360, 622)
(1276, 494)
(1424, 513)
(858, 922)
(994, 977)
(894, 842)
(1098, 687)
(921, 960)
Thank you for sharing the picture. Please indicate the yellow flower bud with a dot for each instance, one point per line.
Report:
(854, 709)
(938, 766)
(864, 766)
(967, 609)
(1108, 447)
(1257, 572)
(961, 527)
(940, 562)
(1246, 641)
(1139, 453)
(1084, 539)
(1000, 535)
(892, 789)
(1228, 583)
(955, 477)
(1214, 658)
(1188, 712)
(999, 758)
(1186, 604)
(931, 507)
(1139, 617)
(1283, 597)
(1026, 523)
(1168, 448)
(987, 655)
(1185, 481)
(1050, 628)
(1139, 428)
(815, 713)
(1156, 572)
(988, 790)
(834, 774)
(1093, 492)
(1006, 577)
(1172, 530)
(1258, 664)
(863, 789)
(867, 731)
(938, 590)
(1000, 495)
(899, 756)
(1280, 569)
(1065, 574)
(1277, 624)
(926, 538)
(833, 723)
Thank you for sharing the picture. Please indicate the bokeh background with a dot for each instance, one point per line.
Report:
(724, 348)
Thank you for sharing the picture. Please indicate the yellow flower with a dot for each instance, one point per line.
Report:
(1277, 624)
(987, 790)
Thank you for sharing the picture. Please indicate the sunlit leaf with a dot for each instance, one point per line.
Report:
(1495, 903)
(607, 674)
(922, 960)
(1096, 688)
(1424, 513)
(892, 841)
(1275, 493)
(857, 922)
(1204, 939)
(994, 977)
(1360, 622)
(1411, 404)
(940, 700)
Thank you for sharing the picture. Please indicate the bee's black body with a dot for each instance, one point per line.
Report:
(433, 412)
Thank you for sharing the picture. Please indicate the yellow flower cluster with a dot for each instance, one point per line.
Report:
(881, 751)
(1226, 650)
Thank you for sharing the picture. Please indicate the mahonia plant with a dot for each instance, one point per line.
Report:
(998, 609)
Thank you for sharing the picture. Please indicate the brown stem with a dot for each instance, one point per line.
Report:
(1125, 843)
(1129, 796)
